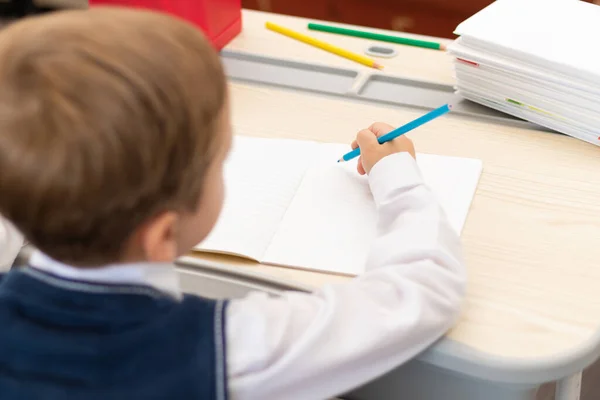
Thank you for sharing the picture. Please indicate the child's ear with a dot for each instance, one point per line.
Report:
(159, 238)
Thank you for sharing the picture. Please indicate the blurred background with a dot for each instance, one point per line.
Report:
(425, 17)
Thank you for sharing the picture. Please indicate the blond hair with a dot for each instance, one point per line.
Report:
(108, 116)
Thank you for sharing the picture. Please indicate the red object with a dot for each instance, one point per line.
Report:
(473, 63)
(221, 20)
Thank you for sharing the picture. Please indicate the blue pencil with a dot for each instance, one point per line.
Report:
(438, 112)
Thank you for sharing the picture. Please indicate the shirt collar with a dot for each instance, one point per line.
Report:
(162, 277)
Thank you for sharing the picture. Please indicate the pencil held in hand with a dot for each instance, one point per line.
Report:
(323, 45)
(372, 152)
(438, 112)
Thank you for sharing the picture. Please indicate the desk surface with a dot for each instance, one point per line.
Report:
(411, 62)
(534, 266)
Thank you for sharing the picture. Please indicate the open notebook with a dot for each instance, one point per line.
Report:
(290, 203)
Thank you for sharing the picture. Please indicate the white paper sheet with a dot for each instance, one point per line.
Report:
(261, 178)
(557, 34)
(332, 219)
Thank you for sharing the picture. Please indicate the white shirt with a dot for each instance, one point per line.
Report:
(10, 244)
(314, 346)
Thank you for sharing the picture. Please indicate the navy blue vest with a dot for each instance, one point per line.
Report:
(62, 339)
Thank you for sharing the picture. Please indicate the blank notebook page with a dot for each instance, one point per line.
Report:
(331, 221)
(560, 35)
(261, 178)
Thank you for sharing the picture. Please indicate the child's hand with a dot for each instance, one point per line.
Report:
(370, 149)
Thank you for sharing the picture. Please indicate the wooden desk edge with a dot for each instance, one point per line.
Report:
(447, 353)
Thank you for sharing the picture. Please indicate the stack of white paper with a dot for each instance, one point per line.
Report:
(534, 59)
(290, 203)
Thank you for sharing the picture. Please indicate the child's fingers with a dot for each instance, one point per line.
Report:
(359, 167)
(380, 128)
(354, 144)
(367, 140)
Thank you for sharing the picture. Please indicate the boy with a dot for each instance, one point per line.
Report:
(114, 127)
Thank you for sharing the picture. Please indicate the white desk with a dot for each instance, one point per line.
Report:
(533, 311)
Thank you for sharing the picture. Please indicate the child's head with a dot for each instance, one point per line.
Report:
(113, 130)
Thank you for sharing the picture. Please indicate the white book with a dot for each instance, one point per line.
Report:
(557, 35)
(563, 106)
(289, 203)
(493, 63)
(527, 114)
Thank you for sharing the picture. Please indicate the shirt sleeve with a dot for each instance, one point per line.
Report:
(314, 346)
(10, 244)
